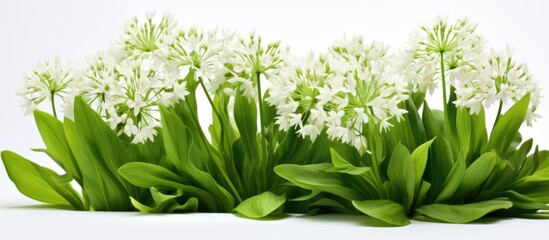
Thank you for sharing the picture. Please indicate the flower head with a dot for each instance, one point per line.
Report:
(455, 41)
(127, 93)
(246, 58)
(48, 80)
(299, 94)
(343, 93)
(146, 37)
(197, 50)
(366, 91)
(497, 78)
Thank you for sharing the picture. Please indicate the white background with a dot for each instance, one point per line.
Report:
(31, 31)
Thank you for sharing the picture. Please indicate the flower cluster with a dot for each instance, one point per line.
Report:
(127, 93)
(198, 51)
(343, 93)
(49, 79)
(497, 78)
(247, 58)
(145, 38)
(339, 93)
(456, 42)
(300, 94)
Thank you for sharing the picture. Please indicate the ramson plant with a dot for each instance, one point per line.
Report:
(348, 130)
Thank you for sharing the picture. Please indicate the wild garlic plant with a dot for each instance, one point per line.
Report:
(349, 130)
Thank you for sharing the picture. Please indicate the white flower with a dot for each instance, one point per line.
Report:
(296, 92)
(369, 93)
(497, 79)
(247, 58)
(197, 50)
(49, 79)
(127, 93)
(455, 41)
(340, 94)
(145, 38)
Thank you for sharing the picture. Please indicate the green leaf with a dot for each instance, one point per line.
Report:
(245, 115)
(450, 113)
(40, 183)
(72, 139)
(479, 134)
(477, 173)
(401, 173)
(166, 203)
(453, 179)
(53, 135)
(261, 205)
(148, 175)
(178, 142)
(419, 157)
(463, 213)
(441, 161)
(507, 127)
(463, 126)
(102, 155)
(315, 177)
(425, 186)
(343, 166)
(384, 210)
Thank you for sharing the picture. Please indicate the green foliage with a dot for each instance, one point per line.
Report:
(385, 210)
(463, 213)
(40, 183)
(439, 164)
(261, 205)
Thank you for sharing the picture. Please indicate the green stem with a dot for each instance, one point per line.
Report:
(443, 77)
(222, 141)
(216, 112)
(52, 95)
(373, 151)
(260, 101)
(499, 113)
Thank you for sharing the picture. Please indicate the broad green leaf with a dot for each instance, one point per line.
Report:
(331, 205)
(261, 205)
(148, 175)
(479, 135)
(507, 127)
(533, 186)
(463, 213)
(408, 131)
(463, 127)
(166, 203)
(315, 177)
(440, 157)
(401, 173)
(102, 155)
(245, 114)
(40, 183)
(53, 135)
(450, 117)
(453, 179)
(72, 139)
(384, 210)
(178, 143)
(343, 166)
(525, 202)
(543, 163)
(425, 186)
(477, 173)
(419, 157)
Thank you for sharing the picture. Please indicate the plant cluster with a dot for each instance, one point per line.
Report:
(348, 130)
